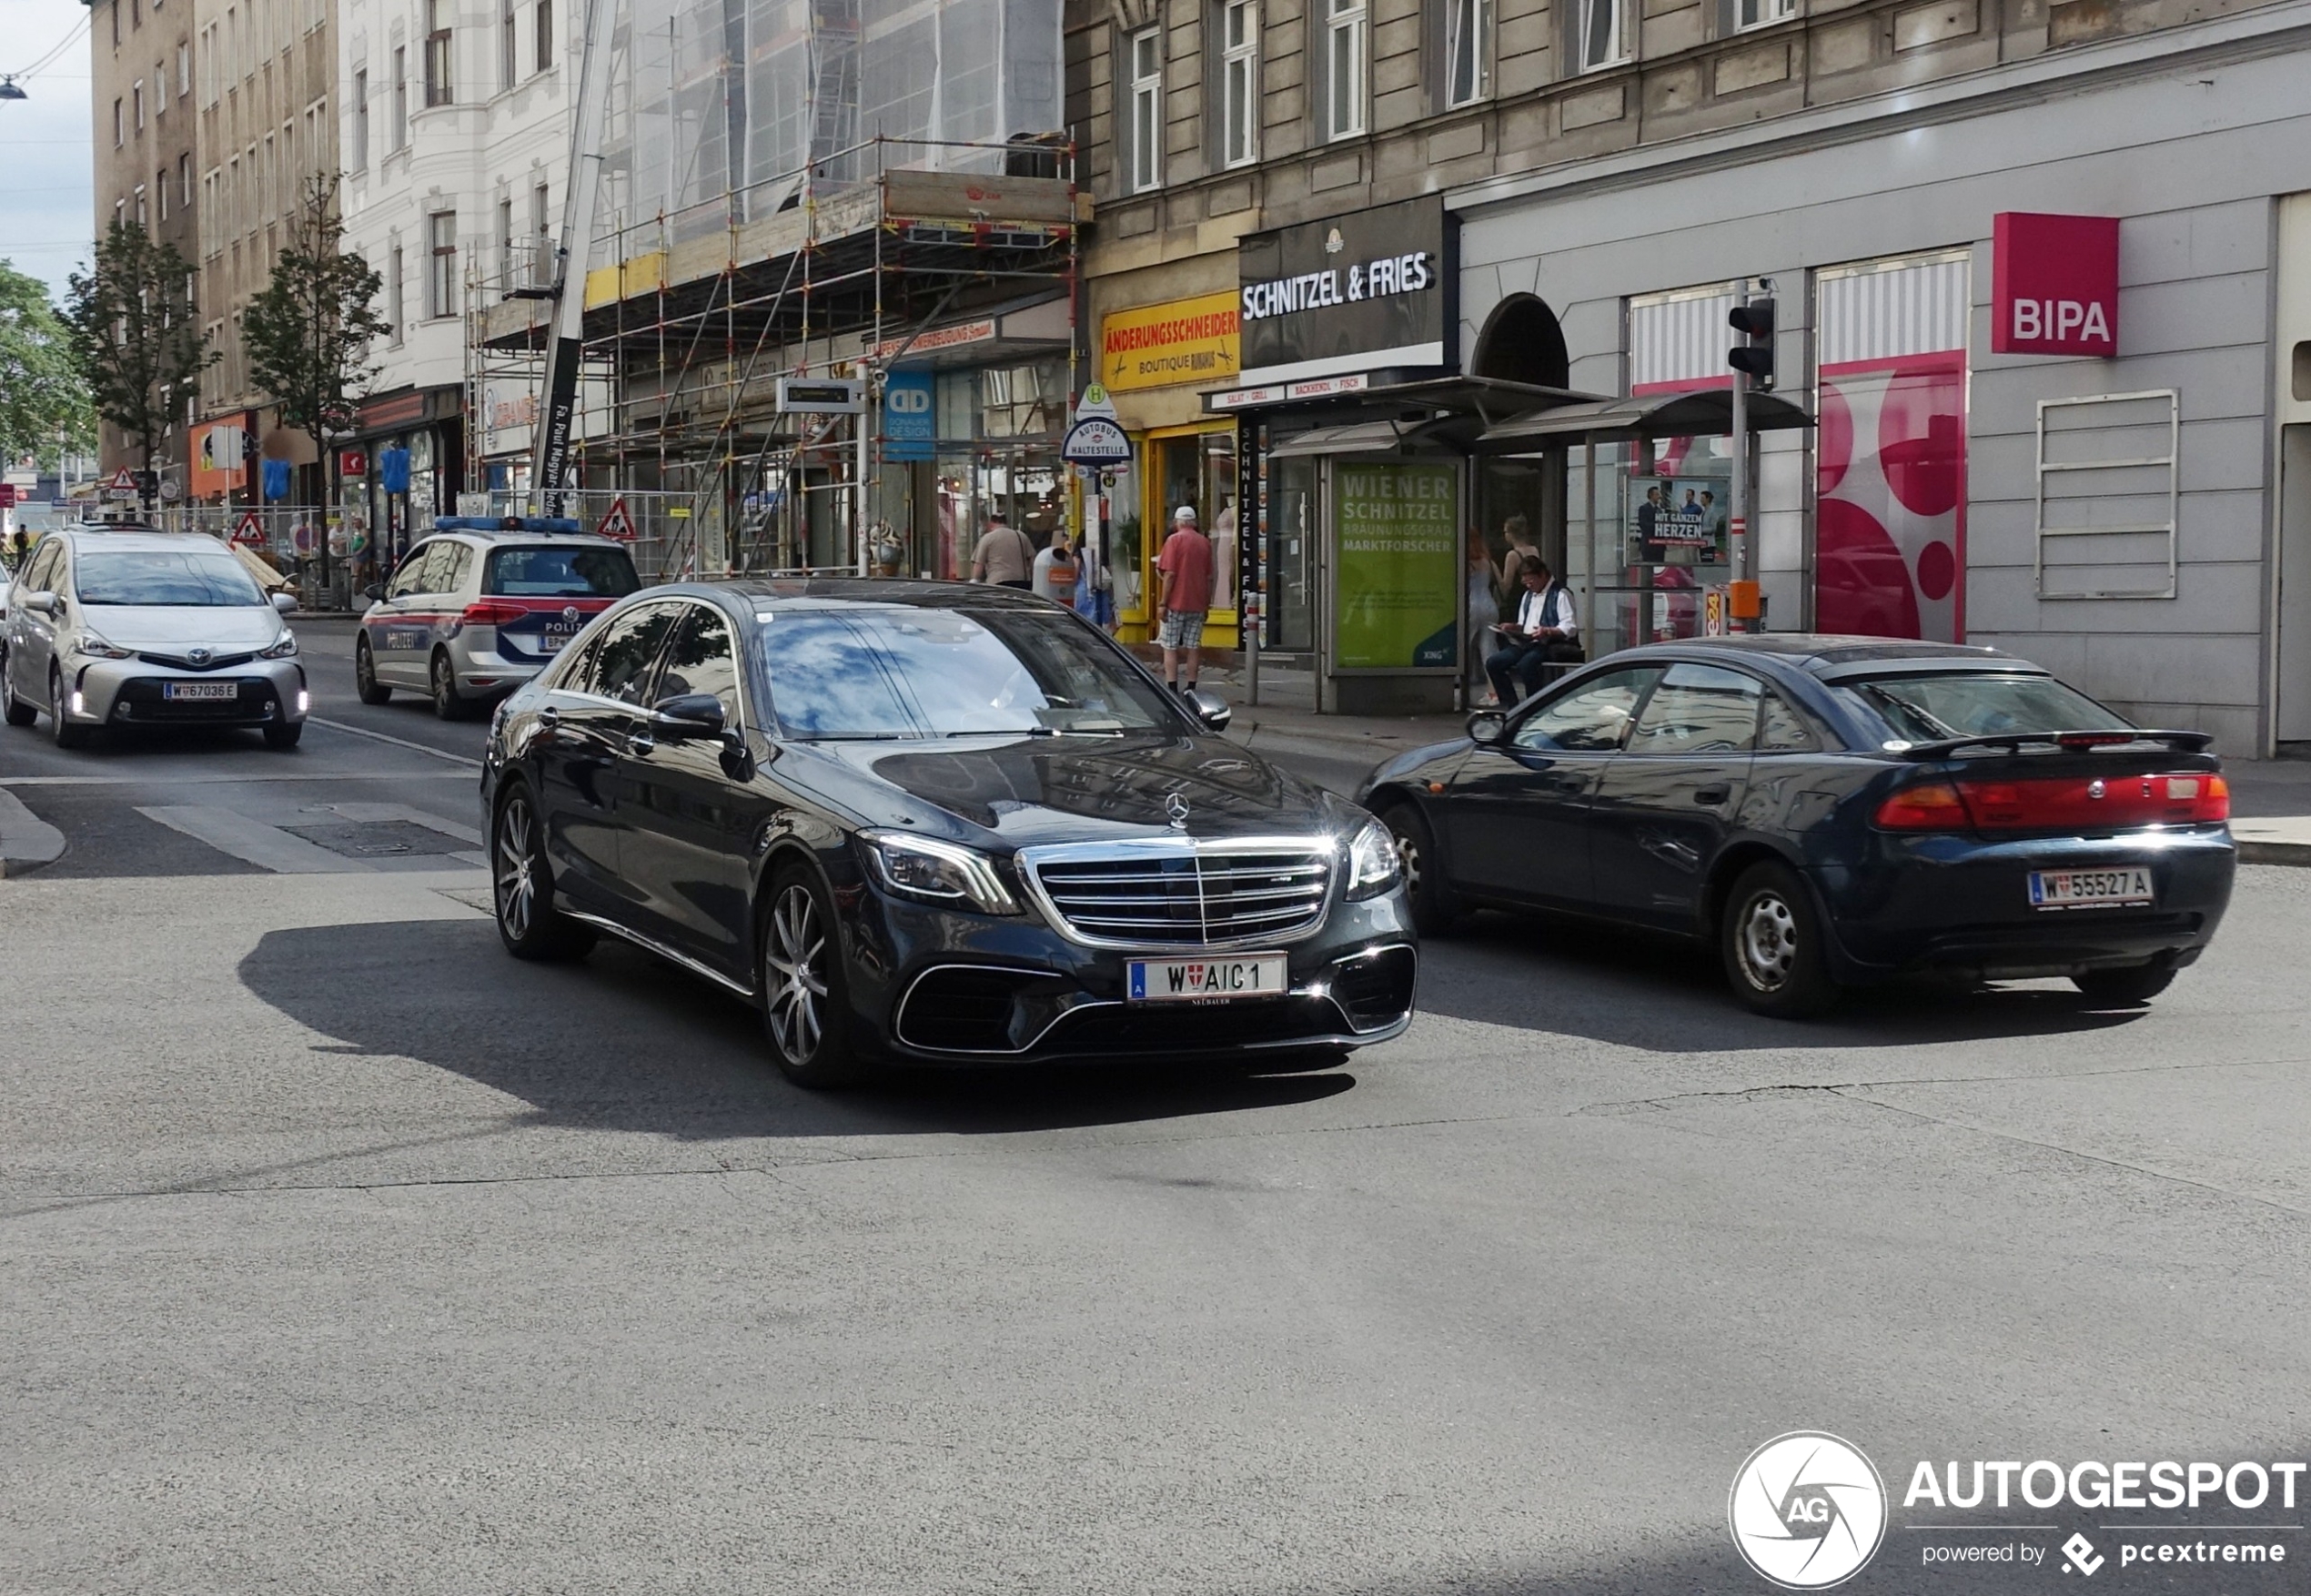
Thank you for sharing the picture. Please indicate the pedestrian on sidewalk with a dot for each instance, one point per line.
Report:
(1547, 632)
(1185, 564)
(1005, 555)
(1484, 605)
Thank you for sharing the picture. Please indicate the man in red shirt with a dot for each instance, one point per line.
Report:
(1185, 564)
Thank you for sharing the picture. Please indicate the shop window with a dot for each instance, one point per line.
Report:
(1239, 83)
(1144, 111)
(1021, 401)
(1198, 471)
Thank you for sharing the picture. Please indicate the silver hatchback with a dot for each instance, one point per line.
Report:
(137, 627)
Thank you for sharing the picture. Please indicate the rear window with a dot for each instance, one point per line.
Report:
(1932, 708)
(559, 573)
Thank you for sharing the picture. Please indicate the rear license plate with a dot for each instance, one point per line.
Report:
(200, 692)
(2091, 889)
(1206, 980)
(550, 643)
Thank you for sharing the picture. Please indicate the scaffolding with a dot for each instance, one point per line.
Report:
(867, 253)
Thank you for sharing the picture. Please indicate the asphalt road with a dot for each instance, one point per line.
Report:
(340, 1252)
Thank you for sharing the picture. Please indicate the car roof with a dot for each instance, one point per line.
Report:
(495, 537)
(812, 592)
(1831, 656)
(137, 538)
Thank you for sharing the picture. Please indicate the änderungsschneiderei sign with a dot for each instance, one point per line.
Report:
(1372, 291)
(1399, 564)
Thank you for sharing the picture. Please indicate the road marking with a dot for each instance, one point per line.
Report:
(26, 839)
(166, 780)
(252, 839)
(397, 741)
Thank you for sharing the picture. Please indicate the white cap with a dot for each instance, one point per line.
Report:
(1185, 512)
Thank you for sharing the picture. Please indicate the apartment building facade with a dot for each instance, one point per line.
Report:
(141, 55)
(2111, 476)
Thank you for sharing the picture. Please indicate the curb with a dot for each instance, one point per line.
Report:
(26, 841)
(2273, 853)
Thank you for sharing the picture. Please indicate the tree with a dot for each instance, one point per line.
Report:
(134, 327)
(307, 334)
(44, 397)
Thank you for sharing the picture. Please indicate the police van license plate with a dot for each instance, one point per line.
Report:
(200, 692)
(1206, 980)
(2091, 889)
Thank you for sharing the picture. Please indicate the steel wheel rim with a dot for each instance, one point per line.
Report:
(794, 983)
(364, 669)
(516, 873)
(1767, 942)
(442, 685)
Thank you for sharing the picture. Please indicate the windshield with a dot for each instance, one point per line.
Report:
(559, 573)
(1931, 709)
(903, 673)
(172, 577)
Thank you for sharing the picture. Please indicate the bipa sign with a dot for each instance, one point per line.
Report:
(2055, 285)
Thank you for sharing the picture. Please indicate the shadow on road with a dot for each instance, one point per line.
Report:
(1562, 977)
(621, 1042)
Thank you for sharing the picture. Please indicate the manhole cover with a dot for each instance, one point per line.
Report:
(378, 839)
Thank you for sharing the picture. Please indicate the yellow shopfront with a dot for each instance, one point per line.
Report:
(1156, 361)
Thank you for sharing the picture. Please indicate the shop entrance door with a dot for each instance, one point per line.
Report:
(2294, 684)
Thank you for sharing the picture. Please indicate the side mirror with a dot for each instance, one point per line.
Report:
(44, 604)
(285, 602)
(687, 714)
(1211, 709)
(374, 591)
(1487, 727)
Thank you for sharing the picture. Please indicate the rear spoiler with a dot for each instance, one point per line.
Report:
(2064, 741)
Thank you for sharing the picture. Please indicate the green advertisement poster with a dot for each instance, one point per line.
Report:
(1398, 566)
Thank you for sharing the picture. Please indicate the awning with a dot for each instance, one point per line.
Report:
(1706, 413)
(1364, 438)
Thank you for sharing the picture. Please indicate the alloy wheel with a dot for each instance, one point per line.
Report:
(516, 876)
(794, 977)
(1767, 942)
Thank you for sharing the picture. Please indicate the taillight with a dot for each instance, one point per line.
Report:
(486, 613)
(1932, 807)
(2071, 802)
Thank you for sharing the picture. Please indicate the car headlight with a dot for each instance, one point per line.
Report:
(1373, 865)
(90, 646)
(933, 871)
(285, 649)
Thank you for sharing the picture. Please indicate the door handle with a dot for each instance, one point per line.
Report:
(642, 743)
(549, 717)
(1713, 796)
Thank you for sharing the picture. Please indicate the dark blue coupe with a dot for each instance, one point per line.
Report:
(1831, 811)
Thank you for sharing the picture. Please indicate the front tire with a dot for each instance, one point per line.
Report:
(365, 676)
(14, 710)
(805, 1001)
(1770, 939)
(448, 703)
(2125, 988)
(1436, 907)
(523, 887)
(68, 735)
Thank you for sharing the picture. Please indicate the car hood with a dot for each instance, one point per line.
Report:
(173, 629)
(1019, 792)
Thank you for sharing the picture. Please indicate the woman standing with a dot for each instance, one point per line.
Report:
(1484, 614)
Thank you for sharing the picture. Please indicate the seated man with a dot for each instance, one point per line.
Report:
(1546, 630)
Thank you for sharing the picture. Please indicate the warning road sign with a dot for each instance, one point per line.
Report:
(249, 532)
(617, 523)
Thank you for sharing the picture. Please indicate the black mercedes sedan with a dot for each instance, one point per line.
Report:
(930, 824)
(1831, 811)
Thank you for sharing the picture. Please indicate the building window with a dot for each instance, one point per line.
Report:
(505, 241)
(136, 95)
(184, 70)
(160, 183)
(1599, 44)
(1144, 111)
(441, 264)
(1749, 13)
(1341, 111)
(396, 304)
(116, 24)
(119, 126)
(400, 107)
(358, 157)
(545, 35)
(144, 216)
(437, 51)
(160, 90)
(185, 179)
(1468, 46)
(509, 54)
(1239, 83)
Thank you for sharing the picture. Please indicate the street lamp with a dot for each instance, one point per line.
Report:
(8, 89)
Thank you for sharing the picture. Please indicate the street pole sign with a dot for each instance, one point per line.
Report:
(1095, 441)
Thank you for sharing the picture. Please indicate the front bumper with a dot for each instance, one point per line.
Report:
(943, 988)
(1961, 904)
(138, 692)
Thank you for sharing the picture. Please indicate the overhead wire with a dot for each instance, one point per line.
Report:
(49, 59)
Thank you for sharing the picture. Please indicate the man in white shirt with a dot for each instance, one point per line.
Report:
(1547, 629)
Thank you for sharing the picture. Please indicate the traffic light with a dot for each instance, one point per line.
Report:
(1755, 358)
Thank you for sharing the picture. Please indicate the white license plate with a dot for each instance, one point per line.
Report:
(1206, 980)
(550, 643)
(2091, 889)
(200, 692)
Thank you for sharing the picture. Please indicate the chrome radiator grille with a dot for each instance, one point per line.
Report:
(1156, 895)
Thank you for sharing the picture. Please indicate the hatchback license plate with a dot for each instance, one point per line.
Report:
(200, 692)
(1207, 980)
(2119, 888)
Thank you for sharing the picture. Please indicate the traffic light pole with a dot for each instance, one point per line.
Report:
(1752, 364)
(1743, 553)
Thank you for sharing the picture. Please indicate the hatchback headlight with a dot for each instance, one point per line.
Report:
(90, 646)
(935, 872)
(1373, 865)
(283, 650)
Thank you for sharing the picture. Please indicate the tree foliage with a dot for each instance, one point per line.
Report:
(44, 397)
(135, 331)
(307, 334)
